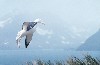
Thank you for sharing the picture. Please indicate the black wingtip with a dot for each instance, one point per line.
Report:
(26, 44)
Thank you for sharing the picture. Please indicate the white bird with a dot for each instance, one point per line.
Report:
(27, 30)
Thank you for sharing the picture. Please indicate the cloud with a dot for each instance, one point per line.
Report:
(82, 42)
(65, 42)
(47, 42)
(6, 43)
(40, 46)
(5, 22)
(63, 38)
(49, 36)
(72, 36)
(41, 31)
(77, 32)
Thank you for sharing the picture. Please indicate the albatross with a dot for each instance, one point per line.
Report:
(28, 28)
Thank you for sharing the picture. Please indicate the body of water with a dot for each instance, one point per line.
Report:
(18, 57)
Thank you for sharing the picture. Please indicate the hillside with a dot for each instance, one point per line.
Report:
(92, 43)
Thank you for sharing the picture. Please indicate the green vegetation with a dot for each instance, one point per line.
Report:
(87, 60)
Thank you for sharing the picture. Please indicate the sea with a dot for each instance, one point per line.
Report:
(19, 57)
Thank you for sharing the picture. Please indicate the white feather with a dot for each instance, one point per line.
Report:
(27, 33)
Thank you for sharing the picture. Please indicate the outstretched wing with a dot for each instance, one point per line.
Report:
(28, 39)
(28, 25)
(20, 34)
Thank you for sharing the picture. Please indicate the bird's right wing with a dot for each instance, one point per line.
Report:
(28, 39)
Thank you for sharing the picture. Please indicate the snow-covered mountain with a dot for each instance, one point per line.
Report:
(92, 43)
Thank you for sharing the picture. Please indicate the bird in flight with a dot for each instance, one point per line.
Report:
(28, 28)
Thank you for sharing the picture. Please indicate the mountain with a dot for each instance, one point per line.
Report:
(92, 43)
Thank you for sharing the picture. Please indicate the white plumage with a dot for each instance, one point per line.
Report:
(27, 30)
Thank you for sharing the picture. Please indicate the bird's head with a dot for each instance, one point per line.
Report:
(39, 21)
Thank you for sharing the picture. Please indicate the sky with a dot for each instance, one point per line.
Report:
(71, 21)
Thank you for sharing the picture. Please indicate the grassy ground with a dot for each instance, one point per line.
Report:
(87, 60)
